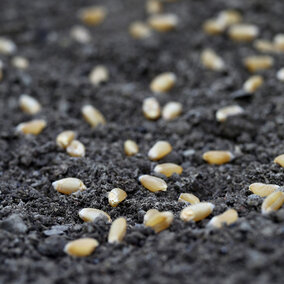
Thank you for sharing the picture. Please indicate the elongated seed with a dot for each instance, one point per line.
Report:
(211, 60)
(80, 34)
(151, 108)
(258, 62)
(223, 113)
(154, 6)
(217, 157)
(214, 26)
(229, 17)
(7, 47)
(29, 104)
(92, 16)
(279, 42)
(280, 75)
(279, 160)
(158, 221)
(117, 230)
(64, 138)
(20, 62)
(171, 110)
(163, 82)
(91, 214)
(115, 196)
(149, 214)
(130, 148)
(168, 169)
(272, 202)
(152, 183)
(76, 149)
(93, 116)
(253, 83)
(163, 22)
(263, 189)
(99, 75)
(33, 127)
(229, 217)
(68, 185)
(81, 247)
(263, 45)
(139, 30)
(159, 150)
(243, 32)
(188, 197)
(196, 212)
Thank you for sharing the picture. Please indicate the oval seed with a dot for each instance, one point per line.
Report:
(20, 62)
(280, 75)
(229, 17)
(151, 108)
(258, 62)
(34, 127)
(154, 6)
(92, 16)
(80, 34)
(93, 116)
(168, 169)
(163, 23)
(115, 196)
(81, 247)
(214, 26)
(253, 83)
(64, 138)
(149, 214)
(211, 60)
(279, 160)
(188, 197)
(68, 185)
(158, 221)
(217, 157)
(99, 75)
(163, 82)
(91, 214)
(279, 42)
(7, 47)
(196, 212)
(223, 113)
(117, 230)
(130, 147)
(139, 30)
(243, 32)
(29, 104)
(272, 202)
(229, 217)
(263, 189)
(159, 150)
(172, 110)
(263, 45)
(76, 149)
(152, 183)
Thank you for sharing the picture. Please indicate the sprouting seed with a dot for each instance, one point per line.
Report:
(279, 160)
(130, 148)
(223, 113)
(93, 116)
(211, 60)
(229, 17)
(68, 185)
(258, 62)
(80, 34)
(243, 32)
(151, 108)
(159, 150)
(115, 196)
(196, 212)
(154, 6)
(7, 47)
(168, 169)
(158, 221)
(99, 75)
(76, 149)
(272, 202)
(163, 82)
(29, 104)
(253, 83)
(229, 217)
(91, 214)
(263, 189)
(171, 110)
(81, 247)
(92, 16)
(33, 127)
(217, 157)
(64, 138)
(280, 75)
(163, 22)
(188, 197)
(152, 183)
(263, 45)
(139, 30)
(279, 42)
(214, 26)
(117, 230)
(20, 62)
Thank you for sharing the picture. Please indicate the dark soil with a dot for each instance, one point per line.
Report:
(36, 221)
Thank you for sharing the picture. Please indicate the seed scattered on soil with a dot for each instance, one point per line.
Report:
(264, 46)
(223, 113)
(33, 127)
(279, 42)
(117, 230)
(263, 189)
(168, 169)
(253, 83)
(76, 149)
(197, 212)
(81, 247)
(99, 75)
(243, 32)
(64, 138)
(151, 108)
(272, 202)
(154, 6)
(214, 27)
(154, 184)
(149, 214)
(163, 22)
(280, 75)
(172, 110)
(80, 34)
(229, 17)
(93, 116)
(92, 16)
(158, 221)
(229, 217)
(68, 185)
(211, 60)
(29, 104)
(217, 157)
(163, 83)
(258, 62)
(91, 214)
(7, 47)
(159, 150)
(188, 197)
(139, 30)
(279, 160)
(115, 196)
(130, 148)
(20, 62)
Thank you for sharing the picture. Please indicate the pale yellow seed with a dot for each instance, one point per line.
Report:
(151, 108)
(263, 45)
(130, 148)
(172, 110)
(217, 157)
(91, 214)
(243, 32)
(159, 150)
(64, 138)
(117, 230)
(76, 149)
(280, 75)
(279, 160)
(139, 30)
(20, 62)
(258, 62)
(229, 217)
(115, 196)
(188, 197)
(223, 113)
(263, 189)
(229, 17)
(7, 47)
(93, 116)
(253, 83)
(163, 83)
(211, 60)
(29, 104)
(152, 183)
(163, 22)
(196, 212)
(81, 247)
(154, 6)
(158, 221)
(279, 42)
(68, 185)
(272, 202)
(149, 214)
(213, 27)
(80, 34)
(99, 75)
(92, 16)
(168, 169)
(33, 127)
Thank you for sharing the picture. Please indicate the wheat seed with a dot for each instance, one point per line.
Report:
(130, 148)
(29, 104)
(68, 185)
(7, 47)
(80, 34)
(76, 149)
(272, 202)
(152, 183)
(151, 108)
(158, 221)
(154, 6)
(214, 26)
(263, 45)
(279, 160)
(279, 42)
(217, 157)
(229, 17)
(93, 116)
(117, 230)
(81, 247)
(243, 32)
(229, 217)
(168, 169)
(20, 62)
(139, 30)
(91, 214)
(280, 75)
(263, 189)
(171, 110)
(211, 60)
(92, 16)
(223, 113)
(149, 214)
(64, 138)
(163, 82)
(33, 127)
(163, 23)
(99, 75)
(115, 196)
(159, 150)
(188, 197)
(253, 83)
(258, 62)
(196, 212)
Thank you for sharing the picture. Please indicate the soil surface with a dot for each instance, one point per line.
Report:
(36, 221)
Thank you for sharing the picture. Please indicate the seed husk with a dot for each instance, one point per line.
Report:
(168, 169)
(163, 83)
(159, 150)
(20, 62)
(152, 183)
(158, 221)
(154, 6)
(253, 83)
(211, 60)
(214, 26)
(76, 149)
(81, 247)
(163, 22)
(223, 113)
(263, 189)
(188, 197)
(151, 108)
(7, 47)
(196, 212)
(272, 202)
(217, 157)
(91, 214)
(80, 34)
(68, 185)
(139, 30)
(99, 75)
(279, 160)
(117, 230)
(263, 45)
(172, 110)
(280, 75)
(279, 42)
(229, 17)
(33, 127)
(64, 138)
(115, 196)
(29, 104)
(258, 62)
(243, 32)
(130, 148)
(93, 116)
(229, 217)
(92, 16)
